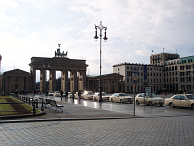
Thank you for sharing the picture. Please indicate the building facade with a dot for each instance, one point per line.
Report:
(110, 83)
(15, 79)
(159, 59)
(153, 77)
(179, 74)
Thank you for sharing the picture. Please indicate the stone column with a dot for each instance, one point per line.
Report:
(82, 80)
(73, 81)
(6, 84)
(12, 83)
(64, 80)
(33, 71)
(52, 80)
(43, 80)
(20, 84)
(27, 87)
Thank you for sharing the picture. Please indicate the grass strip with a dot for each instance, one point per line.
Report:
(6, 109)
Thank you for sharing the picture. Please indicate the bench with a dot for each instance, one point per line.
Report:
(53, 103)
(47, 102)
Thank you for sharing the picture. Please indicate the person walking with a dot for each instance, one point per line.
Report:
(79, 94)
(73, 96)
(66, 94)
(61, 93)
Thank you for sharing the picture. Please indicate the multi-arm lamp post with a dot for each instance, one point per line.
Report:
(100, 27)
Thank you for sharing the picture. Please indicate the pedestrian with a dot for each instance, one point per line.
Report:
(47, 93)
(79, 94)
(73, 96)
(66, 94)
(16, 92)
(181, 91)
(61, 93)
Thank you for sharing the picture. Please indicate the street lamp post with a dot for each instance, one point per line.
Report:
(100, 27)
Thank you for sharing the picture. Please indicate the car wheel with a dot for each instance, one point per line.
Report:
(192, 106)
(112, 100)
(137, 102)
(121, 101)
(171, 105)
(150, 103)
(161, 104)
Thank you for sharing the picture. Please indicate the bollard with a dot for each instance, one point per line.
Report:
(29, 100)
(36, 103)
(34, 109)
(42, 107)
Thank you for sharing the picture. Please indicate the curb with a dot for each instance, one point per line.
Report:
(21, 116)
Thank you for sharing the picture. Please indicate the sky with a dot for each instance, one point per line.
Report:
(34, 28)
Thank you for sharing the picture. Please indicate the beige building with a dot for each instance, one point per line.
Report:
(154, 75)
(179, 74)
(110, 83)
(15, 79)
(159, 59)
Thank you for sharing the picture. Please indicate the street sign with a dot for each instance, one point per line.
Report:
(135, 71)
(135, 79)
(148, 91)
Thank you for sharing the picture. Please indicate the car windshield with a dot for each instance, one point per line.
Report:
(123, 94)
(190, 96)
(90, 93)
(103, 94)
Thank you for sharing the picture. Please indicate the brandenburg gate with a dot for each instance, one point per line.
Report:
(59, 63)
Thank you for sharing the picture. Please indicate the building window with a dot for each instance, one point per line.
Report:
(16, 80)
(118, 69)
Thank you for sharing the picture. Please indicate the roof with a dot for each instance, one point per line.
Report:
(16, 72)
(115, 75)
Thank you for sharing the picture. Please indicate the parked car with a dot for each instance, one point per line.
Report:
(105, 96)
(57, 94)
(88, 95)
(51, 93)
(154, 99)
(181, 100)
(121, 97)
(76, 95)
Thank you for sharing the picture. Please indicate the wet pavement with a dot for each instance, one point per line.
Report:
(88, 123)
(128, 108)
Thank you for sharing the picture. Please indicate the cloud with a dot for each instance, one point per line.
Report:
(134, 28)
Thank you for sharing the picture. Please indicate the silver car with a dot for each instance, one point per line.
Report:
(121, 97)
(105, 96)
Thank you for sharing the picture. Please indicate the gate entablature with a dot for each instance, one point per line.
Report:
(59, 63)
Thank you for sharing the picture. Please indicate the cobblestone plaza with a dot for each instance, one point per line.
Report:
(80, 125)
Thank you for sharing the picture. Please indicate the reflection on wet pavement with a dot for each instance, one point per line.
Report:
(128, 108)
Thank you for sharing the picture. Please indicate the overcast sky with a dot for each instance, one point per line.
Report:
(33, 28)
